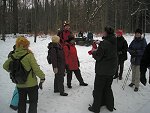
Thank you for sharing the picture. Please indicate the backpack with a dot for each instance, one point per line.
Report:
(18, 74)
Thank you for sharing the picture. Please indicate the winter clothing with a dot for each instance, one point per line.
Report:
(102, 94)
(105, 68)
(58, 63)
(122, 48)
(109, 30)
(55, 39)
(145, 63)
(77, 74)
(138, 31)
(71, 57)
(32, 92)
(106, 56)
(63, 36)
(29, 62)
(136, 75)
(15, 100)
(136, 50)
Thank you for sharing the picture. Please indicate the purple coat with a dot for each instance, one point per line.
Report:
(136, 50)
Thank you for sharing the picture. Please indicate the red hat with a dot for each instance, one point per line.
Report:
(119, 32)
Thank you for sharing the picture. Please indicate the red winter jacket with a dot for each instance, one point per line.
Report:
(71, 57)
(64, 36)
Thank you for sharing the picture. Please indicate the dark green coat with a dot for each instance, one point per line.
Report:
(106, 57)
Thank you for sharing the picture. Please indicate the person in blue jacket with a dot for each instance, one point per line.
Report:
(136, 50)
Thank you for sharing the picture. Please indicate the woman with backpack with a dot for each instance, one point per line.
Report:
(26, 77)
(56, 58)
(136, 50)
(72, 62)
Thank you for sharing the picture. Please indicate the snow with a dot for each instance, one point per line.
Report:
(126, 101)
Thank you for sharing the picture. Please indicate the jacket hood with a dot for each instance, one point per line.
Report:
(19, 52)
(111, 38)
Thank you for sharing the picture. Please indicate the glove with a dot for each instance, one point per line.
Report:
(120, 53)
(55, 70)
(67, 67)
(41, 84)
(143, 80)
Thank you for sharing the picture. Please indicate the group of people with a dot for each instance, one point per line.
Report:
(110, 56)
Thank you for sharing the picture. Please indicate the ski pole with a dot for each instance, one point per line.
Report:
(127, 77)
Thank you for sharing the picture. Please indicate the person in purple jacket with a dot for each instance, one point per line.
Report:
(136, 50)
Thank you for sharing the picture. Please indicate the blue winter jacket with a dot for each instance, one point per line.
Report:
(136, 50)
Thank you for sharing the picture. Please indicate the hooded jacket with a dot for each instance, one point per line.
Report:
(29, 62)
(106, 57)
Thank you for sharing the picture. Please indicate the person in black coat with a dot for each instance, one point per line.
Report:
(145, 63)
(105, 69)
(122, 48)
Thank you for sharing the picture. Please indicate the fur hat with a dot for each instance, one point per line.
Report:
(22, 42)
(109, 30)
(55, 39)
(138, 31)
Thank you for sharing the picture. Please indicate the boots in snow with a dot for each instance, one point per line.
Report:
(83, 84)
(131, 85)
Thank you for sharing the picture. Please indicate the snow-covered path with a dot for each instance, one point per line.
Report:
(79, 98)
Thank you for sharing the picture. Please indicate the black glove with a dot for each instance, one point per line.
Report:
(143, 80)
(41, 85)
(67, 67)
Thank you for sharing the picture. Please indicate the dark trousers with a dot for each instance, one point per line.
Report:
(77, 74)
(120, 67)
(59, 83)
(32, 93)
(102, 93)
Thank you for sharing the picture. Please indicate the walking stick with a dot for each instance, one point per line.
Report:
(127, 77)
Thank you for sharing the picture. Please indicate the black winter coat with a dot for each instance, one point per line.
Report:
(122, 48)
(57, 57)
(145, 61)
(106, 57)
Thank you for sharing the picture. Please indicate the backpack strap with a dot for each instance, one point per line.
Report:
(23, 56)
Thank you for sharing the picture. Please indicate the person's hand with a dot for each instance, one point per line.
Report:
(143, 80)
(67, 67)
(55, 70)
(41, 84)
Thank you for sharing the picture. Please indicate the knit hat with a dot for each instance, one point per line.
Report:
(22, 42)
(138, 31)
(119, 32)
(55, 39)
(109, 30)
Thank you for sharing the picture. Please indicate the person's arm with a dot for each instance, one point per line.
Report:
(125, 47)
(98, 55)
(6, 64)
(141, 51)
(130, 49)
(66, 53)
(35, 67)
(53, 54)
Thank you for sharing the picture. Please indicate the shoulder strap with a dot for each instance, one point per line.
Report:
(23, 56)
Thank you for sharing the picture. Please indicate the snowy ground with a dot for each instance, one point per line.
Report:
(79, 98)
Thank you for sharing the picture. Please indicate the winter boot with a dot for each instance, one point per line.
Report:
(131, 85)
(69, 86)
(92, 110)
(120, 77)
(63, 94)
(136, 89)
(83, 84)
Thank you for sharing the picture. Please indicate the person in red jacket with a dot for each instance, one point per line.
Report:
(63, 34)
(72, 62)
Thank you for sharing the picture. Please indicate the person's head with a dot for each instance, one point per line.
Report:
(66, 26)
(138, 33)
(55, 39)
(108, 31)
(71, 39)
(22, 42)
(119, 33)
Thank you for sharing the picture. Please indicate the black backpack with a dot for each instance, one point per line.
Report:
(18, 74)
